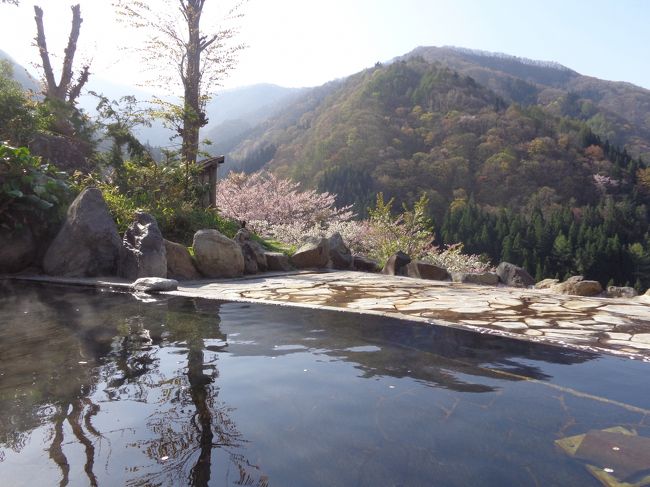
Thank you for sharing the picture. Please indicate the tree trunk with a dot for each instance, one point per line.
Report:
(193, 118)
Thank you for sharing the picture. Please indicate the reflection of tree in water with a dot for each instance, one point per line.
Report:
(193, 422)
(77, 343)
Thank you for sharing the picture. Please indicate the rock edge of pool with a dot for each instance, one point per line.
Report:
(619, 326)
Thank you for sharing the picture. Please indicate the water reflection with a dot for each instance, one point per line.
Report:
(80, 351)
(195, 392)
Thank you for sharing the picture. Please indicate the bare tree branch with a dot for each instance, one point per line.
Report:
(66, 73)
(50, 88)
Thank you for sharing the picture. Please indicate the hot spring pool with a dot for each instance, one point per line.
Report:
(100, 388)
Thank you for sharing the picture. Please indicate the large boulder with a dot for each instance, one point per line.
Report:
(340, 255)
(424, 270)
(277, 261)
(143, 249)
(396, 264)
(577, 286)
(217, 255)
(180, 265)
(484, 278)
(512, 275)
(17, 250)
(253, 252)
(365, 264)
(88, 243)
(313, 254)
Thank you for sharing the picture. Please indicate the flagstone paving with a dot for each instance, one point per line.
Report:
(620, 326)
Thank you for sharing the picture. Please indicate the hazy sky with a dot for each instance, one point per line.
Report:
(309, 42)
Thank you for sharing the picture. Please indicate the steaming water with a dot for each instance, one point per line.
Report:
(102, 389)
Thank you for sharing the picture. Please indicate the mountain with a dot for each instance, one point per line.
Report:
(439, 120)
(616, 111)
(233, 113)
(511, 158)
(20, 74)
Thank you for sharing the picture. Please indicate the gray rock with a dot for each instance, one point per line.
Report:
(621, 292)
(154, 284)
(365, 264)
(396, 264)
(512, 275)
(180, 265)
(217, 255)
(243, 235)
(144, 252)
(253, 252)
(424, 270)
(88, 243)
(313, 254)
(577, 286)
(17, 250)
(546, 283)
(277, 261)
(254, 257)
(485, 278)
(340, 255)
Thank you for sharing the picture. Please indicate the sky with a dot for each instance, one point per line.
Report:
(308, 42)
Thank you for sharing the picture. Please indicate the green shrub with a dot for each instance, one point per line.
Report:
(31, 193)
(161, 190)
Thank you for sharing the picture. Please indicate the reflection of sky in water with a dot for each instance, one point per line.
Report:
(179, 392)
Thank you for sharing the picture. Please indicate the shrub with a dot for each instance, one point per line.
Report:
(409, 231)
(453, 259)
(31, 193)
(161, 190)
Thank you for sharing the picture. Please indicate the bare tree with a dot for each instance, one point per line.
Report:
(65, 92)
(182, 54)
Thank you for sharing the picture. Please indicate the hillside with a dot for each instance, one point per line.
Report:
(616, 111)
(20, 74)
(491, 168)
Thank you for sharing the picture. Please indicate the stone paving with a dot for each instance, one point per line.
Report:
(620, 326)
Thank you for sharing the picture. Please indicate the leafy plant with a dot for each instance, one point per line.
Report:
(30, 192)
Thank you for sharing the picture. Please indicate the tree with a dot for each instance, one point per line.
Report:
(181, 53)
(61, 95)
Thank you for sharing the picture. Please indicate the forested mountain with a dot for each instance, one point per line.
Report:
(20, 74)
(492, 166)
(616, 111)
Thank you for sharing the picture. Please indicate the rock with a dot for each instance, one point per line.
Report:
(243, 235)
(314, 253)
(424, 270)
(154, 284)
(17, 250)
(143, 249)
(546, 283)
(340, 255)
(217, 255)
(277, 261)
(396, 264)
(577, 286)
(365, 264)
(180, 265)
(621, 292)
(485, 278)
(512, 275)
(253, 252)
(88, 243)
